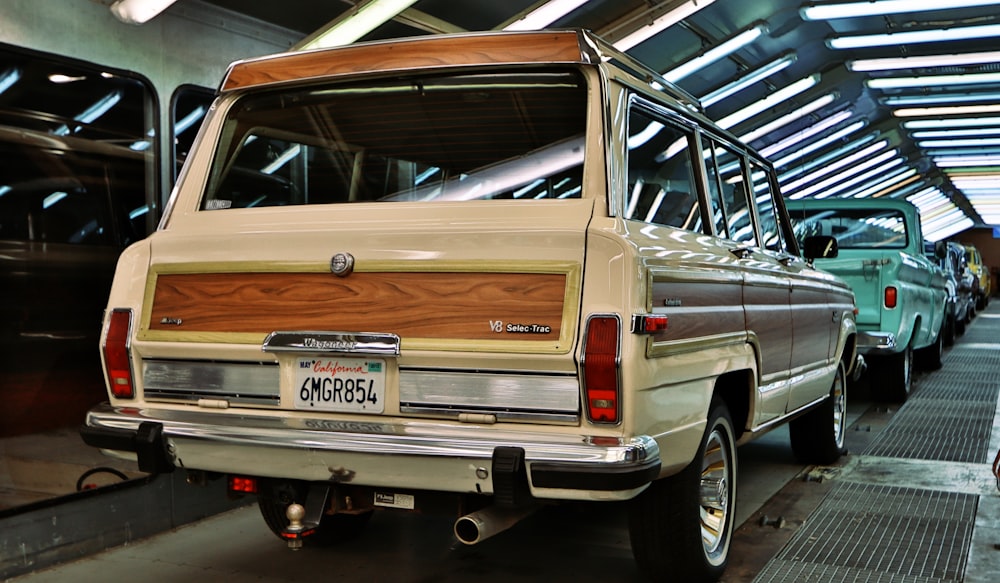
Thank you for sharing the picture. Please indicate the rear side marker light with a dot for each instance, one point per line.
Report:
(601, 356)
(117, 360)
(648, 323)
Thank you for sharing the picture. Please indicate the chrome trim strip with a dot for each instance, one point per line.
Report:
(488, 391)
(377, 437)
(495, 414)
(327, 342)
(249, 382)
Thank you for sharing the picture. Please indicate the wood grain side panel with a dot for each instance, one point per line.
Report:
(405, 55)
(698, 309)
(437, 305)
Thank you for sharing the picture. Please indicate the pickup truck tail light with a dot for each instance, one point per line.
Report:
(891, 297)
(601, 359)
(117, 360)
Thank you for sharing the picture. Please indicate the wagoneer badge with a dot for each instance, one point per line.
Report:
(342, 264)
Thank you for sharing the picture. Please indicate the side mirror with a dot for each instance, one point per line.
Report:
(940, 249)
(819, 247)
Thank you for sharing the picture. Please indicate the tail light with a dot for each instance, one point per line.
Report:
(891, 297)
(601, 384)
(117, 360)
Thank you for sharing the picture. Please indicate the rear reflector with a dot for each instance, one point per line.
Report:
(116, 354)
(600, 368)
(242, 485)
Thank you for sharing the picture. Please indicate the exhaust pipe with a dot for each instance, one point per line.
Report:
(478, 526)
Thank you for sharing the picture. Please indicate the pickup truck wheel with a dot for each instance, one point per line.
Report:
(680, 527)
(273, 499)
(818, 436)
(893, 377)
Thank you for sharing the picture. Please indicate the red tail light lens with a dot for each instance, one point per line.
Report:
(891, 296)
(242, 485)
(600, 369)
(116, 354)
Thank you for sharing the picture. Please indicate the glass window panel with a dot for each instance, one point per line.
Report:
(770, 233)
(467, 137)
(661, 184)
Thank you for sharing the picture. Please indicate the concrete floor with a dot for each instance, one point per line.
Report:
(582, 542)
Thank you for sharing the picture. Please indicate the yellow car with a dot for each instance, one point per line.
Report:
(983, 288)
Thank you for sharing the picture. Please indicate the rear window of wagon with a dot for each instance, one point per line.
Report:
(507, 135)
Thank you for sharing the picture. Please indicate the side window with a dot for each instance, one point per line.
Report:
(733, 191)
(770, 233)
(661, 184)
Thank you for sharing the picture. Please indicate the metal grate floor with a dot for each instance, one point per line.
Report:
(868, 533)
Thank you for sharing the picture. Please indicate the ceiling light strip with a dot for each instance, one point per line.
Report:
(827, 11)
(783, 94)
(545, 14)
(716, 53)
(749, 79)
(661, 23)
(927, 61)
(843, 180)
(810, 132)
(914, 36)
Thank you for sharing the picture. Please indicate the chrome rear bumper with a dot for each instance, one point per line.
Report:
(415, 454)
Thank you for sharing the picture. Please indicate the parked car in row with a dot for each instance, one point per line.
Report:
(901, 295)
(984, 283)
(960, 301)
(480, 272)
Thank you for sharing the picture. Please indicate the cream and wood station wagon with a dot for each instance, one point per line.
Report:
(482, 273)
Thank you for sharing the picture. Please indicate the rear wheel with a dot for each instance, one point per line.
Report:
(818, 436)
(681, 527)
(273, 498)
(892, 377)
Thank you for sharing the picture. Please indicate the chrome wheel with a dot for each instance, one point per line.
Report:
(716, 494)
(838, 395)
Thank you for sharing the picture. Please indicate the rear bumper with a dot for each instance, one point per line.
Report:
(422, 455)
(876, 343)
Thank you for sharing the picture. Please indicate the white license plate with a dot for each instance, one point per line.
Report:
(340, 383)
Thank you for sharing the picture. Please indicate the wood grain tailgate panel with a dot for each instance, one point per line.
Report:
(414, 305)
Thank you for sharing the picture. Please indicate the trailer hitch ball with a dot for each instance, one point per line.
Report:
(295, 513)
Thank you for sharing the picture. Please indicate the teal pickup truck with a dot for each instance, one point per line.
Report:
(900, 293)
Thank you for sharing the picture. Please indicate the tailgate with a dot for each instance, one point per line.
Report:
(863, 273)
(448, 309)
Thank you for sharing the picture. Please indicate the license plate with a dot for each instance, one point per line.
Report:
(339, 383)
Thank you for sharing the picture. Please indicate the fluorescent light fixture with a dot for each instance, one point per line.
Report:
(770, 101)
(661, 23)
(820, 143)
(961, 122)
(959, 133)
(959, 143)
(880, 188)
(789, 117)
(870, 8)
(809, 132)
(945, 232)
(914, 36)
(545, 14)
(857, 156)
(138, 11)
(966, 161)
(933, 81)
(946, 110)
(950, 60)
(716, 53)
(356, 22)
(939, 99)
(52, 199)
(827, 158)
(833, 184)
(961, 152)
(747, 80)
